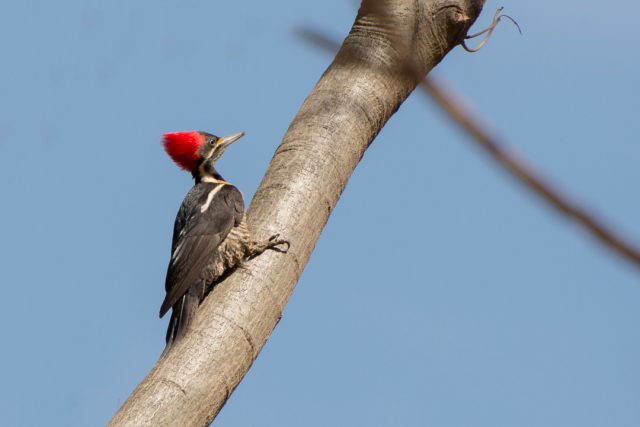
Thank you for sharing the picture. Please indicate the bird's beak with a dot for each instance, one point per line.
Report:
(225, 141)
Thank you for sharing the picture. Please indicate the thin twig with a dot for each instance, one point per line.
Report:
(318, 38)
(489, 31)
(525, 174)
(490, 144)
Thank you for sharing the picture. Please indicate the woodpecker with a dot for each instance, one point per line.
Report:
(210, 234)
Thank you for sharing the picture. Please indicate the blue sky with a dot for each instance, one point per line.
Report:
(489, 309)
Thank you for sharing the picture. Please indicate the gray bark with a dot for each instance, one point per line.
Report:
(391, 47)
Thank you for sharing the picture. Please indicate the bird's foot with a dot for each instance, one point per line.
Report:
(275, 241)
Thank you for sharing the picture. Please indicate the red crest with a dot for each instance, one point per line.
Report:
(183, 148)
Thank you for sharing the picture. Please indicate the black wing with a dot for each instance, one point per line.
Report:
(197, 234)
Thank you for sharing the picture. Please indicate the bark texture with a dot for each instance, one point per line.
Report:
(391, 47)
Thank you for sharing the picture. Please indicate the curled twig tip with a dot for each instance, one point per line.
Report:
(488, 31)
(513, 21)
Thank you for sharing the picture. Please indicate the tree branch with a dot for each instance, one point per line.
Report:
(390, 48)
(527, 176)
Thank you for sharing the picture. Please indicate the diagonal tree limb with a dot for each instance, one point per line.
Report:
(527, 176)
(455, 110)
(391, 46)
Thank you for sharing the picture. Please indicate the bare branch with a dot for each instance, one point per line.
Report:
(492, 146)
(361, 89)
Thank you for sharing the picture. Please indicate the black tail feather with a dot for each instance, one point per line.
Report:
(182, 313)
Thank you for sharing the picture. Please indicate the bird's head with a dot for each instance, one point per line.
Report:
(197, 152)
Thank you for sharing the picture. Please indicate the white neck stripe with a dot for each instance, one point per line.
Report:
(209, 178)
(210, 197)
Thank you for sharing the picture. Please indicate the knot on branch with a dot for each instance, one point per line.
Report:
(451, 20)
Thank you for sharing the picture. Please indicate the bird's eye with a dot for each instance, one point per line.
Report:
(213, 141)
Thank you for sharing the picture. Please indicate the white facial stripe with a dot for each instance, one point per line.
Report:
(202, 169)
(203, 166)
(212, 193)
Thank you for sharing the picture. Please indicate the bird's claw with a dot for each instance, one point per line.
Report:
(275, 241)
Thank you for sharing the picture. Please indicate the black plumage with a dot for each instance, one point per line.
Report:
(197, 235)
